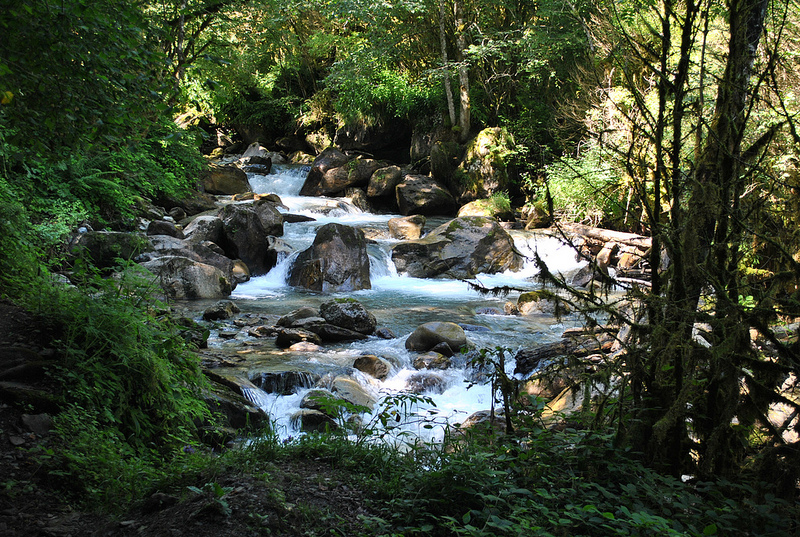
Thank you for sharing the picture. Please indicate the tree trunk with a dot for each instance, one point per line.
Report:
(463, 73)
(448, 88)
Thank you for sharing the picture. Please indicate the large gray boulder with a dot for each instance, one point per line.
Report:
(225, 180)
(429, 335)
(355, 173)
(383, 181)
(204, 228)
(462, 248)
(336, 261)
(182, 278)
(407, 227)
(245, 238)
(420, 194)
(163, 245)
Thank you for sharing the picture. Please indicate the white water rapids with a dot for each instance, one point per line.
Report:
(399, 303)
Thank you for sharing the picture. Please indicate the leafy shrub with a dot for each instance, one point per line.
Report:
(586, 188)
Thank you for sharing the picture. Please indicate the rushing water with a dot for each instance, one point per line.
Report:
(398, 302)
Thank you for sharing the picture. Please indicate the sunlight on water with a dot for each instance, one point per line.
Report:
(401, 303)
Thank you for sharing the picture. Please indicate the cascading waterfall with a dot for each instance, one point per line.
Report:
(400, 303)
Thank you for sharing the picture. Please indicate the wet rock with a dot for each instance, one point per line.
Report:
(204, 228)
(225, 180)
(289, 336)
(313, 421)
(424, 382)
(224, 309)
(432, 360)
(337, 261)
(350, 314)
(462, 248)
(384, 333)
(407, 228)
(316, 399)
(326, 162)
(372, 366)
(428, 335)
(420, 194)
(291, 318)
(245, 238)
(335, 334)
(383, 181)
(162, 227)
(534, 302)
(183, 278)
(350, 390)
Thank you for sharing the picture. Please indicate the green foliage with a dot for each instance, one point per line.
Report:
(124, 362)
(369, 91)
(585, 189)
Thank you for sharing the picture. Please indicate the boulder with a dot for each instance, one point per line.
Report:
(330, 159)
(104, 248)
(428, 335)
(432, 360)
(162, 227)
(534, 302)
(291, 318)
(407, 227)
(289, 336)
(336, 261)
(206, 252)
(350, 314)
(383, 181)
(388, 139)
(444, 160)
(484, 170)
(425, 382)
(462, 248)
(192, 203)
(419, 194)
(269, 215)
(204, 228)
(224, 180)
(183, 278)
(224, 309)
(311, 421)
(498, 206)
(245, 238)
(372, 366)
(350, 390)
(355, 173)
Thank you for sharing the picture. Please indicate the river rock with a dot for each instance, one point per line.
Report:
(428, 335)
(316, 399)
(372, 366)
(104, 248)
(313, 421)
(354, 173)
(245, 238)
(224, 309)
(420, 194)
(534, 302)
(206, 252)
(383, 181)
(291, 318)
(289, 336)
(350, 390)
(181, 278)
(269, 215)
(336, 261)
(162, 227)
(424, 382)
(348, 313)
(462, 248)
(432, 360)
(335, 334)
(407, 228)
(330, 159)
(204, 228)
(224, 180)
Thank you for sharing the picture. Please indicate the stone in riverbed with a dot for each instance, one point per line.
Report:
(336, 261)
(428, 335)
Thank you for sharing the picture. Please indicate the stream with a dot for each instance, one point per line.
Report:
(399, 303)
